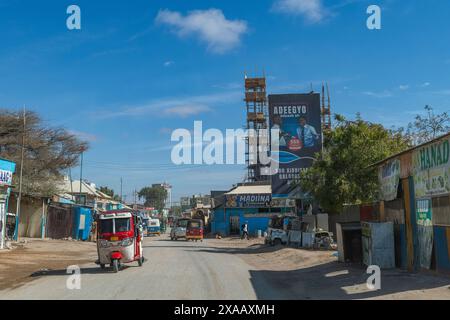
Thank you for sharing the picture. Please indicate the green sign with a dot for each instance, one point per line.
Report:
(431, 169)
(423, 210)
(388, 177)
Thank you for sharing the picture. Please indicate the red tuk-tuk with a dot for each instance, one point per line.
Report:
(119, 239)
(194, 230)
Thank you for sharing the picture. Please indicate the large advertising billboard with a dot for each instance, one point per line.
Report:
(298, 118)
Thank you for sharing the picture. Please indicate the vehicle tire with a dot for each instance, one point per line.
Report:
(115, 265)
(102, 265)
(277, 242)
(141, 261)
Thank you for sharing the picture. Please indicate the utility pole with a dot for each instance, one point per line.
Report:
(121, 189)
(81, 177)
(19, 199)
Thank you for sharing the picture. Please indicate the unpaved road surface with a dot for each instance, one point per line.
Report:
(230, 269)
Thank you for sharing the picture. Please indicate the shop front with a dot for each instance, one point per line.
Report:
(7, 169)
(252, 205)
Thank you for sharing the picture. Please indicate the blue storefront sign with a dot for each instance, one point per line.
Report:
(7, 169)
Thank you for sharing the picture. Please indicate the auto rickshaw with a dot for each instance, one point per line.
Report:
(153, 227)
(194, 230)
(119, 239)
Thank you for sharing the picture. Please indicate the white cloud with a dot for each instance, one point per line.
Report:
(312, 10)
(84, 135)
(177, 106)
(186, 110)
(425, 84)
(210, 26)
(168, 63)
(381, 94)
(403, 87)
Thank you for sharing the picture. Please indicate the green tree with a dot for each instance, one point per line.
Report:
(343, 172)
(48, 152)
(154, 197)
(428, 127)
(109, 192)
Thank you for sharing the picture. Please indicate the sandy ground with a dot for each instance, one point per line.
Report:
(33, 256)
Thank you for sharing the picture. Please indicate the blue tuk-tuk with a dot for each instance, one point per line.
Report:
(153, 227)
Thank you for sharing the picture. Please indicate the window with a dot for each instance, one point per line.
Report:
(106, 226)
(122, 224)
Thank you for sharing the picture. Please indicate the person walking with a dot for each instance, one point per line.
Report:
(245, 231)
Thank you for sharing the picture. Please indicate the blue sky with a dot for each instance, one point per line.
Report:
(139, 69)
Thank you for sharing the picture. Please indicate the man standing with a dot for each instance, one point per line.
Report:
(245, 231)
(307, 134)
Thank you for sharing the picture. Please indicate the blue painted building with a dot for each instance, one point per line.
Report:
(251, 204)
(7, 169)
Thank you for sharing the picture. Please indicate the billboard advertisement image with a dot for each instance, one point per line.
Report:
(298, 119)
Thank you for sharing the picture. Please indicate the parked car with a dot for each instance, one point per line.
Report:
(179, 229)
(278, 229)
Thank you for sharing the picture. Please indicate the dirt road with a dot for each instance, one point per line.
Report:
(230, 269)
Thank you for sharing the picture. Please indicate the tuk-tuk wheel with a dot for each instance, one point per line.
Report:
(102, 265)
(115, 266)
(141, 261)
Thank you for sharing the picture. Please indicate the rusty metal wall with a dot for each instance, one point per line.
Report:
(441, 210)
(59, 222)
(394, 211)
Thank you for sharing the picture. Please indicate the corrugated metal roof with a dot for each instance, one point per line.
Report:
(251, 189)
(410, 149)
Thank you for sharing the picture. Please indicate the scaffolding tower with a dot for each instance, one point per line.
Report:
(257, 123)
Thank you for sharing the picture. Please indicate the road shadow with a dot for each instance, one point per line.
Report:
(336, 281)
(86, 270)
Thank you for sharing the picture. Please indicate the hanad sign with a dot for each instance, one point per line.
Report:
(431, 169)
(388, 177)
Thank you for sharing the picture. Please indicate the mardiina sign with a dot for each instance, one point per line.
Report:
(431, 169)
(389, 176)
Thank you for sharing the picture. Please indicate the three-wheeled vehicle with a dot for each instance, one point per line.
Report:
(119, 239)
(153, 227)
(194, 230)
(179, 229)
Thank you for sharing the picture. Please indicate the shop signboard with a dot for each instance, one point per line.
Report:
(388, 177)
(247, 200)
(424, 220)
(431, 169)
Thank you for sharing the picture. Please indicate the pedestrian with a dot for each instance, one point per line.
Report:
(245, 231)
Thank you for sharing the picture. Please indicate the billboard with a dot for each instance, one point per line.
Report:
(298, 118)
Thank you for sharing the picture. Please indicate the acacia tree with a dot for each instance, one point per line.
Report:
(154, 197)
(109, 192)
(48, 152)
(426, 128)
(343, 172)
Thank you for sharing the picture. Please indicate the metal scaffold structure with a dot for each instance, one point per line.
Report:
(257, 123)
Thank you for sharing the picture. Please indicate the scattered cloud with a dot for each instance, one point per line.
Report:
(444, 92)
(168, 63)
(210, 26)
(312, 10)
(181, 107)
(381, 94)
(404, 87)
(84, 135)
(186, 110)
(425, 84)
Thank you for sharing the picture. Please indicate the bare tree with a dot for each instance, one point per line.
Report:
(426, 128)
(49, 152)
